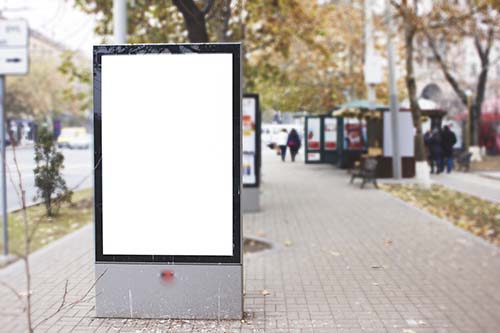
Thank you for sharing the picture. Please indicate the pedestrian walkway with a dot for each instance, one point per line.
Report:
(487, 188)
(348, 260)
(490, 174)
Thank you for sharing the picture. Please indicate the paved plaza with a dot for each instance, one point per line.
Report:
(344, 260)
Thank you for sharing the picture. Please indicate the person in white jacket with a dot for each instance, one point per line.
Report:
(282, 143)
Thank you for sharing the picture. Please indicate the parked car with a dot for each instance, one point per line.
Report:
(74, 137)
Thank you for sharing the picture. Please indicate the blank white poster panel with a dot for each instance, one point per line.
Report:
(167, 154)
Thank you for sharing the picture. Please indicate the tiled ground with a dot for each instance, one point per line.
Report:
(483, 185)
(354, 261)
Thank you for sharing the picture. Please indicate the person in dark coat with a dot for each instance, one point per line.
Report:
(448, 140)
(436, 151)
(293, 143)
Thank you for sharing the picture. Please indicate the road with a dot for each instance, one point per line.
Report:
(77, 172)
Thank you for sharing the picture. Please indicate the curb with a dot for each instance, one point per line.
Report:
(473, 238)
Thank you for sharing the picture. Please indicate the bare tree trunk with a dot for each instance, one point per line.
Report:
(27, 242)
(412, 92)
(481, 85)
(475, 108)
(194, 19)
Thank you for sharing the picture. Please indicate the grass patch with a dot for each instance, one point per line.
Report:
(481, 217)
(70, 218)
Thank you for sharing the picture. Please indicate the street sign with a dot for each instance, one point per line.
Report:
(13, 33)
(14, 47)
(13, 61)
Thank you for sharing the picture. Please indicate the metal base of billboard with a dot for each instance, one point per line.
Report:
(169, 291)
(250, 200)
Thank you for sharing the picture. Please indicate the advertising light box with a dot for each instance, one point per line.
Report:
(251, 140)
(313, 134)
(167, 147)
(330, 127)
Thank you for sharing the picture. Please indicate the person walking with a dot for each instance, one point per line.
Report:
(436, 150)
(448, 140)
(282, 142)
(294, 143)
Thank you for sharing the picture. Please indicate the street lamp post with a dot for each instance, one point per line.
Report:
(120, 21)
(394, 105)
(5, 250)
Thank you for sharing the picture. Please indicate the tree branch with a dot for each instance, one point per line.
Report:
(449, 77)
(194, 19)
(208, 6)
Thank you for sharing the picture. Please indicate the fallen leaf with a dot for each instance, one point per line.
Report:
(388, 242)
(265, 292)
(411, 322)
(288, 242)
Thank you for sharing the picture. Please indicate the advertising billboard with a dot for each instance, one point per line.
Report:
(167, 147)
(313, 134)
(330, 128)
(354, 134)
(250, 133)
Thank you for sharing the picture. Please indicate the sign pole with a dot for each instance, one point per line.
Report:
(394, 106)
(3, 176)
(120, 21)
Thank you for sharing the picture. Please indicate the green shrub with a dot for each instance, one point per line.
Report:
(51, 186)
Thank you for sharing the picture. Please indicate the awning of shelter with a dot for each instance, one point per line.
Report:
(358, 108)
(362, 104)
(345, 113)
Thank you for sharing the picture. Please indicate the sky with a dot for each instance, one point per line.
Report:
(56, 19)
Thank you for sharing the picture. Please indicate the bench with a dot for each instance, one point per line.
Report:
(463, 161)
(367, 172)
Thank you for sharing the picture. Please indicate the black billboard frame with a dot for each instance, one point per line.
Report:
(136, 49)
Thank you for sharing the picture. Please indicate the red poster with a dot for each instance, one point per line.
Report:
(353, 136)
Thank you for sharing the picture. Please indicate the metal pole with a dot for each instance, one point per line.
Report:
(2, 170)
(369, 50)
(120, 21)
(396, 156)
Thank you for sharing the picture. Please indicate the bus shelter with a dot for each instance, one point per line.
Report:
(320, 139)
(359, 128)
(366, 132)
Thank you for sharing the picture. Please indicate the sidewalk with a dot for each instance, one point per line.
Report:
(356, 261)
(487, 188)
(490, 174)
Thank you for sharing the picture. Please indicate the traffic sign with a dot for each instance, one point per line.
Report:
(13, 33)
(14, 43)
(13, 61)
